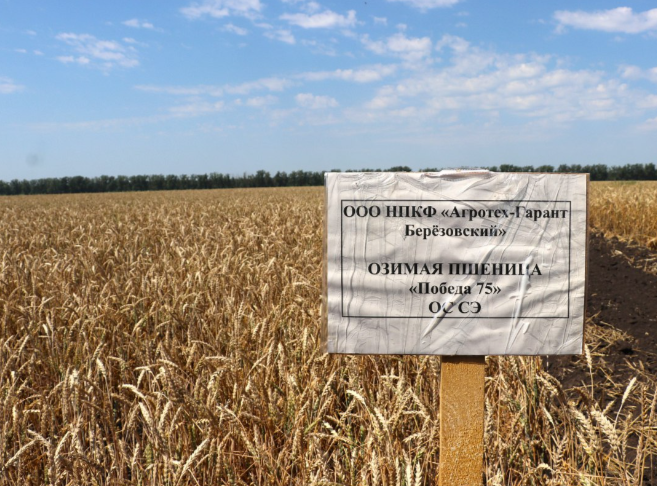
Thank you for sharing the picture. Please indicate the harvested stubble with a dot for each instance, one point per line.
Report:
(172, 338)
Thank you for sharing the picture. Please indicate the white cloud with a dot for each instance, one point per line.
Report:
(234, 29)
(470, 83)
(649, 125)
(411, 111)
(197, 108)
(324, 20)
(380, 21)
(21, 51)
(263, 84)
(455, 43)
(37, 53)
(621, 19)
(363, 75)
(315, 102)
(73, 60)
(8, 86)
(190, 110)
(631, 72)
(410, 49)
(311, 7)
(106, 54)
(648, 102)
(106, 124)
(282, 35)
(214, 91)
(138, 24)
(366, 74)
(223, 8)
(427, 4)
(635, 72)
(320, 47)
(261, 101)
(526, 85)
(385, 99)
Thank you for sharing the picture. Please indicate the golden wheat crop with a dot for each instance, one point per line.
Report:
(172, 338)
(627, 210)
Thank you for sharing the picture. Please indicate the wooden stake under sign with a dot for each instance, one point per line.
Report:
(461, 420)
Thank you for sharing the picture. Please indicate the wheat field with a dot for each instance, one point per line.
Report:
(172, 338)
(626, 209)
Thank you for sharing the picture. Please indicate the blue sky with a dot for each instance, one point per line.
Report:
(233, 86)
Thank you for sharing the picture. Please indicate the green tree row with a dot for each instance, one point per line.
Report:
(262, 178)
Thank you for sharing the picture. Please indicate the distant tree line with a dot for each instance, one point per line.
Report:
(262, 178)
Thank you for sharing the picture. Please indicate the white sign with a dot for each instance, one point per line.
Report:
(455, 263)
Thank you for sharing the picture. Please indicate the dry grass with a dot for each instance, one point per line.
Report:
(172, 338)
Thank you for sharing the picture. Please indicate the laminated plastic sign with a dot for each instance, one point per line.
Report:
(455, 263)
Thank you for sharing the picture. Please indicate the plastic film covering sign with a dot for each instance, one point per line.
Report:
(455, 263)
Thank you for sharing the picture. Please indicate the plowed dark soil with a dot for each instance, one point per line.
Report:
(621, 329)
(622, 296)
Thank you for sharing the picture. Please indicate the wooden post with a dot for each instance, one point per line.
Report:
(461, 421)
